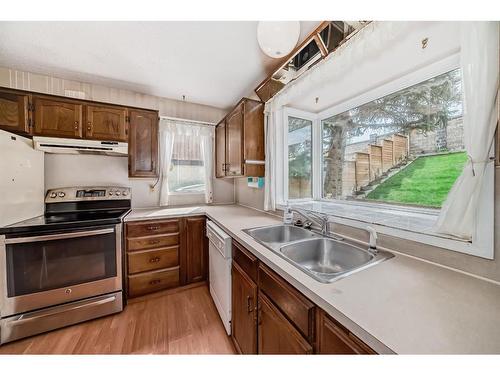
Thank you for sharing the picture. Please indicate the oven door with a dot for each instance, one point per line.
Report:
(55, 268)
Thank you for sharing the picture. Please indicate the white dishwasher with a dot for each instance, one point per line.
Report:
(220, 271)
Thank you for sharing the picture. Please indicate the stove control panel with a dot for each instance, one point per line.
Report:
(76, 194)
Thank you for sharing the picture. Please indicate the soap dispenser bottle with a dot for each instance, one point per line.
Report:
(288, 216)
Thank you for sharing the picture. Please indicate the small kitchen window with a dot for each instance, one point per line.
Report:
(186, 150)
(187, 168)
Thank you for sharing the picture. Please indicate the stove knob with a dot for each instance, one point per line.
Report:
(53, 194)
(110, 193)
(124, 193)
(62, 194)
(117, 193)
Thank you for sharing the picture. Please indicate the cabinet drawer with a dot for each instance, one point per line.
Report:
(143, 243)
(149, 260)
(152, 228)
(152, 281)
(297, 308)
(246, 260)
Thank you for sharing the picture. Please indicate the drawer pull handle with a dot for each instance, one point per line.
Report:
(154, 282)
(154, 260)
(154, 242)
(153, 227)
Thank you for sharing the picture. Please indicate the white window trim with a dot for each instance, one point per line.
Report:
(482, 244)
(315, 154)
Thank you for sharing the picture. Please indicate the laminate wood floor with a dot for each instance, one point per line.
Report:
(179, 322)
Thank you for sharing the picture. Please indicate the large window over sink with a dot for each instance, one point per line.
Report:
(406, 147)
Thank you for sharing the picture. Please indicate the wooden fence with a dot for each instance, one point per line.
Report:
(378, 159)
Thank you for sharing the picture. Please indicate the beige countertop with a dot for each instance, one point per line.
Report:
(402, 305)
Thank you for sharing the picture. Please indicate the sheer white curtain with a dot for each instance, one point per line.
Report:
(169, 130)
(207, 141)
(270, 177)
(479, 65)
(167, 136)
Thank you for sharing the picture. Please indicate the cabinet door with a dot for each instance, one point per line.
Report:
(254, 145)
(196, 250)
(234, 142)
(335, 339)
(276, 334)
(58, 118)
(220, 149)
(106, 123)
(244, 312)
(143, 144)
(14, 114)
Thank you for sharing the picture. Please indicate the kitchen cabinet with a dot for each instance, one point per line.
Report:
(57, 117)
(220, 149)
(143, 144)
(15, 115)
(240, 141)
(333, 338)
(196, 248)
(234, 142)
(163, 254)
(276, 334)
(106, 123)
(286, 322)
(244, 311)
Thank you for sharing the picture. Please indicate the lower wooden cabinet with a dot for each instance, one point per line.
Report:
(333, 338)
(276, 334)
(244, 311)
(196, 248)
(163, 254)
(270, 316)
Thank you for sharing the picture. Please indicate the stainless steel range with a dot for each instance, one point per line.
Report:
(63, 267)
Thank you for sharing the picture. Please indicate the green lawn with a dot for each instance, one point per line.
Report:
(425, 182)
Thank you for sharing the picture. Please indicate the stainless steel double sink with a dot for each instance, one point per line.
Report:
(323, 258)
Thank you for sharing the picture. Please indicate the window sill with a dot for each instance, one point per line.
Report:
(415, 224)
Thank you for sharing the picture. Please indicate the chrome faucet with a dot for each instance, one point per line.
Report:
(320, 219)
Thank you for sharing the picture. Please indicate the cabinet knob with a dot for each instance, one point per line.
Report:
(76, 125)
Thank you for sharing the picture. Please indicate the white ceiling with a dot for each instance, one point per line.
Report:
(214, 63)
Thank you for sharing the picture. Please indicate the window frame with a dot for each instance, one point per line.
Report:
(482, 243)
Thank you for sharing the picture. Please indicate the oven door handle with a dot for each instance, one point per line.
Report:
(60, 236)
(38, 315)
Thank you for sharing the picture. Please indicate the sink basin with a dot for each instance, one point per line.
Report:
(276, 235)
(321, 257)
(325, 258)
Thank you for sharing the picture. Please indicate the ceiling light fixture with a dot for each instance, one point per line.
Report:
(278, 38)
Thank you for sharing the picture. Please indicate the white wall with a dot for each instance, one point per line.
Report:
(71, 170)
(21, 179)
(247, 196)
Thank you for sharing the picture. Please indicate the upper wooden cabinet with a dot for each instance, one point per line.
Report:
(143, 144)
(57, 117)
(240, 141)
(14, 112)
(220, 149)
(234, 142)
(106, 123)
